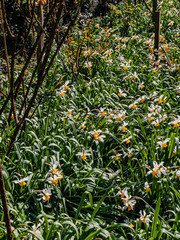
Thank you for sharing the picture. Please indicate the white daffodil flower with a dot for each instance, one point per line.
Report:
(84, 154)
(22, 181)
(178, 174)
(163, 144)
(127, 140)
(158, 169)
(98, 135)
(146, 187)
(45, 195)
(123, 193)
(121, 93)
(144, 217)
(129, 203)
(176, 122)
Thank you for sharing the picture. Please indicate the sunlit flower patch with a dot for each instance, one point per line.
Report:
(109, 120)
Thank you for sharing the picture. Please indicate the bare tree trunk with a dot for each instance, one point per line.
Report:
(154, 9)
(41, 41)
(157, 34)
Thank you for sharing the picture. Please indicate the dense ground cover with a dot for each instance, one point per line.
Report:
(100, 158)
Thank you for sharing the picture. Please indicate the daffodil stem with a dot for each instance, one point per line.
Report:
(5, 205)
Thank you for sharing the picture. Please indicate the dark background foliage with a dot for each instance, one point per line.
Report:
(16, 17)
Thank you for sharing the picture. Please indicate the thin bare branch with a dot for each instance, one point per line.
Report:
(5, 20)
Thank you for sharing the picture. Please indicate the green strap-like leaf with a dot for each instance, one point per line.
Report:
(155, 220)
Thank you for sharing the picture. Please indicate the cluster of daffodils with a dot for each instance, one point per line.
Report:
(56, 175)
(128, 201)
(63, 89)
(98, 136)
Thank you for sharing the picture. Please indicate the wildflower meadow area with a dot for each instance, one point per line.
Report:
(98, 156)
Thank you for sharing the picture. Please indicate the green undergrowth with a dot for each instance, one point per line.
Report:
(100, 157)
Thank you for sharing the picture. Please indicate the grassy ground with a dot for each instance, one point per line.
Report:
(100, 158)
